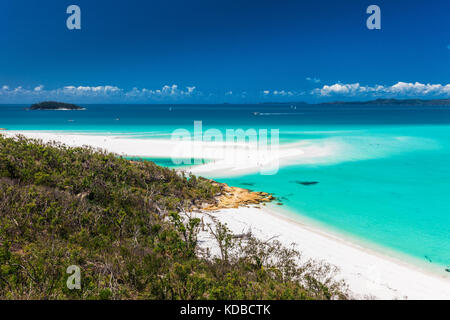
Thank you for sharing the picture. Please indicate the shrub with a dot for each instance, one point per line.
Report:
(122, 223)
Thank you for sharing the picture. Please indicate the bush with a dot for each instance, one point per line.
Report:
(122, 223)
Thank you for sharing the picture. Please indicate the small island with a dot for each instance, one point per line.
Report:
(53, 105)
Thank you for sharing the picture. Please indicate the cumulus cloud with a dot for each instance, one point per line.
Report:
(94, 93)
(282, 93)
(173, 92)
(399, 89)
(419, 89)
(98, 89)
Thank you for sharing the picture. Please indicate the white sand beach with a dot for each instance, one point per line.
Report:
(369, 273)
(227, 159)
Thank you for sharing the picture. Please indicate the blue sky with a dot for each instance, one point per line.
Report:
(223, 51)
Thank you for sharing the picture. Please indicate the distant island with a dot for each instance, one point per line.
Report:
(405, 102)
(378, 102)
(53, 105)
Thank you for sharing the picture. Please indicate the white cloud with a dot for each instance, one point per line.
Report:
(88, 91)
(172, 91)
(94, 93)
(399, 89)
(109, 93)
(314, 80)
(419, 88)
(282, 93)
(190, 89)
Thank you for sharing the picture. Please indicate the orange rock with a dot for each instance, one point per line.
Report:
(233, 197)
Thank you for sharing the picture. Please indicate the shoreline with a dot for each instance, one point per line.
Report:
(227, 159)
(366, 271)
(378, 249)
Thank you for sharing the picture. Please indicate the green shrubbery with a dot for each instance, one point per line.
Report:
(121, 222)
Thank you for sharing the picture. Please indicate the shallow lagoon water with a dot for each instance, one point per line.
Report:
(388, 183)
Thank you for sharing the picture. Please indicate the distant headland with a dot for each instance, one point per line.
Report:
(53, 105)
(405, 102)
(378, 102)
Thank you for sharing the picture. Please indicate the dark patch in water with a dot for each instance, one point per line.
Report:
(306, 183)
(247, 184)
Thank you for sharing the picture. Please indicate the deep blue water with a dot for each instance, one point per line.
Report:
(143, 117)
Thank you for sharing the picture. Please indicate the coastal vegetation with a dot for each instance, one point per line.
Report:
(53, 105)
(129, 227)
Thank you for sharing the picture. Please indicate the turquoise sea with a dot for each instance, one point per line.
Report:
(388, 185)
